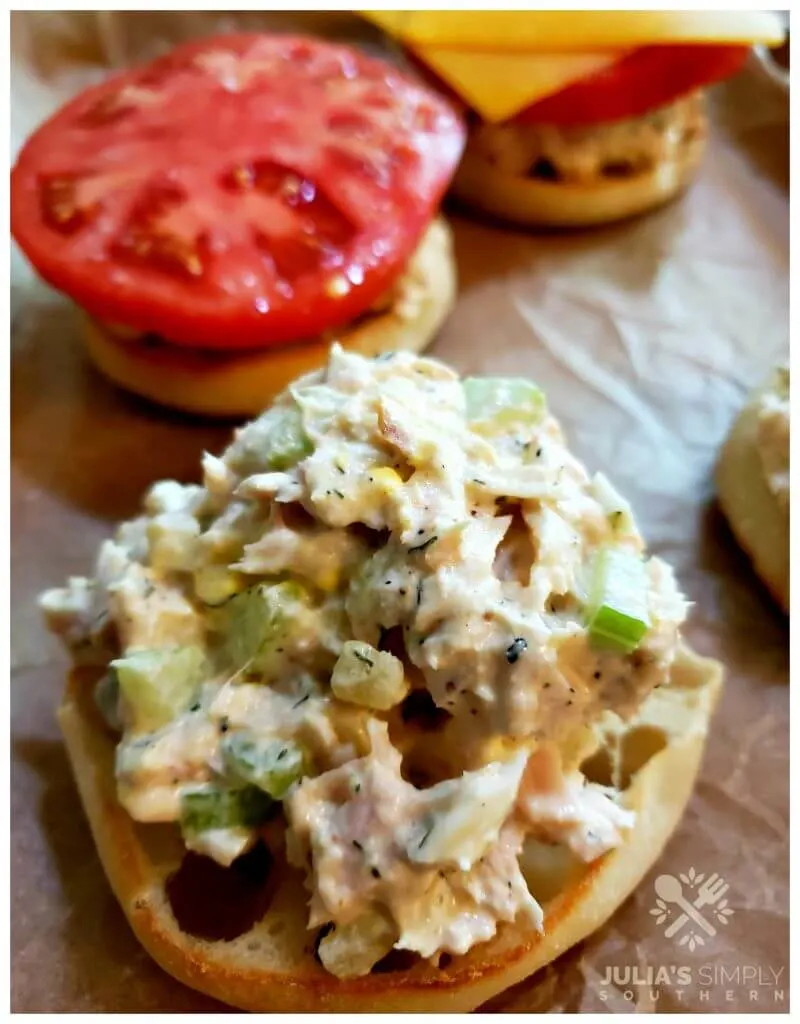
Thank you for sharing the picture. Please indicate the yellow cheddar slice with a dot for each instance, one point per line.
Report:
(575, 31)
(499, 85)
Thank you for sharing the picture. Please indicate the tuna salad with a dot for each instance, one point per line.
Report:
(388, 617)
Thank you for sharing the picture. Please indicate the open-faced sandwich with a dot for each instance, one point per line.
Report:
(753, 482)
(223, 212)
(579, 117)
(392, 709)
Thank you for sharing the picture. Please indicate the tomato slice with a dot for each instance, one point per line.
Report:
(641, 82)
(240, 191)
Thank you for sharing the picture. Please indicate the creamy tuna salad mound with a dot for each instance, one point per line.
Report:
(391, 612)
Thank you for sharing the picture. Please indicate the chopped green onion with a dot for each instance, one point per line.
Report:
(616, 614)
(503, 403)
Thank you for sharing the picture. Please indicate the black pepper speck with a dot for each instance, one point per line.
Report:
(515, 649)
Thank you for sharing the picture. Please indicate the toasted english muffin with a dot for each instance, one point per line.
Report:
(759, 521)
(271, 966)
(538, 176)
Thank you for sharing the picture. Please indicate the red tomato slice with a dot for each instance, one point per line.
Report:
(641, 82)
(241, 191)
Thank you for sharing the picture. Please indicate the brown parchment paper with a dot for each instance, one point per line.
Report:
(645, 335)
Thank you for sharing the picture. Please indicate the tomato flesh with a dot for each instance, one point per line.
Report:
(641, 82)
(241, 191)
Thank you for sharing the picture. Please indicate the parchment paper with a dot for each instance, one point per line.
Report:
(646, 337)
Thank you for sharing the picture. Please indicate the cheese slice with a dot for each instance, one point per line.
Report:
(576, 31)
(499, 85)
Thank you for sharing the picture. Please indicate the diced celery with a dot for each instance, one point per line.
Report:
(503, 403)
(275, 441)
(263, 620)
(288, 443)
(369, 677)
(157, 684)
(214, 807)
(617, 615)
(271, 765)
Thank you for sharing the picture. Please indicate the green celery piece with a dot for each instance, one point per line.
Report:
(271, 765)
(209, 806)
(275, 441)
(288, 442)
(616, 614)
(503, 402)
(261, 619)
(158, 684)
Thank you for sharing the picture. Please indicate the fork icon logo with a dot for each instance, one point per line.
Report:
(679, 901)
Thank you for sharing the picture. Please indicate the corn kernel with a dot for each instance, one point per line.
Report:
(387, 478)
(214, 584)
(327, 579)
